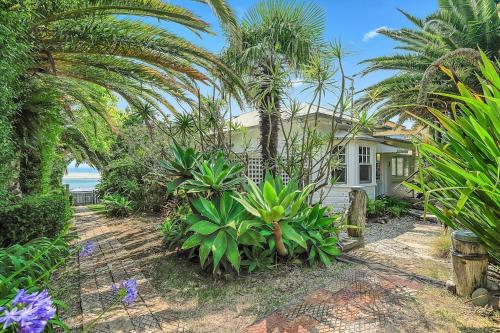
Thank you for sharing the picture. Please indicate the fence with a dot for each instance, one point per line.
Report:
(82, 198)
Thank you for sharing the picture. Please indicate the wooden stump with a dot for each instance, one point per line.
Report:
(356, 215)
(470, 262)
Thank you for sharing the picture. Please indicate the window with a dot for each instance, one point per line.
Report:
(365, 167)
(339, 166)
(377, 168)
(402, 166)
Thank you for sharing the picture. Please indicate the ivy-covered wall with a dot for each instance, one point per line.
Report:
(14, 62)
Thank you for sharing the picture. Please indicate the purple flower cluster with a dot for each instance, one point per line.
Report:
(126, 291)
(29, 312)
(87, 249)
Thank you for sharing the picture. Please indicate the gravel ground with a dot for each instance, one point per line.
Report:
(405, 242)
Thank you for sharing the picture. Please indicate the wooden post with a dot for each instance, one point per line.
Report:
(356, 215)
(470, 262)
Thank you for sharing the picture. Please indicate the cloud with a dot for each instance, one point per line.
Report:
(373, 33)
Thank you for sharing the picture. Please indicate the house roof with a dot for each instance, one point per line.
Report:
(388, 132)
(251, 119)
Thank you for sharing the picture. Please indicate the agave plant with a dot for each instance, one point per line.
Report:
(181, 166)
(320, 233)
(276, 204)
(219, 229)
(214, 176)
(462, 171)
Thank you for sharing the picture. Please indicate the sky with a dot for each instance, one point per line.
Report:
(352, 22)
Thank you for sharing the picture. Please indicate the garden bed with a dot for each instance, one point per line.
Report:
(230, 303)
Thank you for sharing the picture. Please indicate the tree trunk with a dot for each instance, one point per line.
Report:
(470, 262)
(269, 113)
(280, 246)
(357, 212)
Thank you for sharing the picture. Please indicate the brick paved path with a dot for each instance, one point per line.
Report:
(110, 263)
(363, 301)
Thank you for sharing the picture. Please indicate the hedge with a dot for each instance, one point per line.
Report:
(40, 215)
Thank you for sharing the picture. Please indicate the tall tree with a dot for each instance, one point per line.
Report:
(276, 39)
(451, 37)
(78, 47)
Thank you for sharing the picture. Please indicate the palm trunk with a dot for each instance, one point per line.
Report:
(269, 115)
(280, 246)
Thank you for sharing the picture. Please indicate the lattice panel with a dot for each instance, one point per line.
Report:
(255, 168)
(285, 178)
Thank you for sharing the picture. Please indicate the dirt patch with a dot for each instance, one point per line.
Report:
(450, 314)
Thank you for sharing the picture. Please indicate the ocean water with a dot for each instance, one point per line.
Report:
(81, 183)
(82, 177)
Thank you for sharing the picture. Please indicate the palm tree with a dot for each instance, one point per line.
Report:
(78, 48)
(449, 37)
(276, 39)
(83, 44)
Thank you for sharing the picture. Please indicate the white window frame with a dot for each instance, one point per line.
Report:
(365, 159)
(339, 154)
(406, 167)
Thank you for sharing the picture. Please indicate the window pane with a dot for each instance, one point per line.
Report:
(377, 168)
(339, 175)
(399, 166)
(393, 166)
(406, 171)
(365, 173)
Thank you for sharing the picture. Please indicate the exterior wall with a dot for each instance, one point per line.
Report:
(336, 196)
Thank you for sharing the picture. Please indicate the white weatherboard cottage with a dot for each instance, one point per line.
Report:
(375, 161)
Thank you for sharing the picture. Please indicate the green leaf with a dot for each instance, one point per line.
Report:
(205, 248)
(219, 247)
(204, 227)
(233, 254)
(289, 232)
(192, 241)
(269, 194)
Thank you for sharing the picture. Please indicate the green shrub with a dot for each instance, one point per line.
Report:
(320, 233)
(219, 230)
(30, 267)
(459, 174)
(117, 205)
(227, 230)
(40, 215)
(276, 204)
(175, 228)
(387, 206)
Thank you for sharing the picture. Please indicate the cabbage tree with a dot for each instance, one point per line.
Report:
(276, 204)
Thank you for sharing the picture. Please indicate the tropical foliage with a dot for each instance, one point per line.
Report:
(235, 230)
(277, 39)
(219, 230)
(460, 175)
(30, 266)
(117, 205)
(276, 204)
(451, 37)
(387, 206)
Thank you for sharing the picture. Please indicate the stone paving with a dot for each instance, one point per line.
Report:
(111, 263)
(363, 301)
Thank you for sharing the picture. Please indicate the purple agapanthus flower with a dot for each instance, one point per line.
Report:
(29, 312)
(126, 290)
(87, 249)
